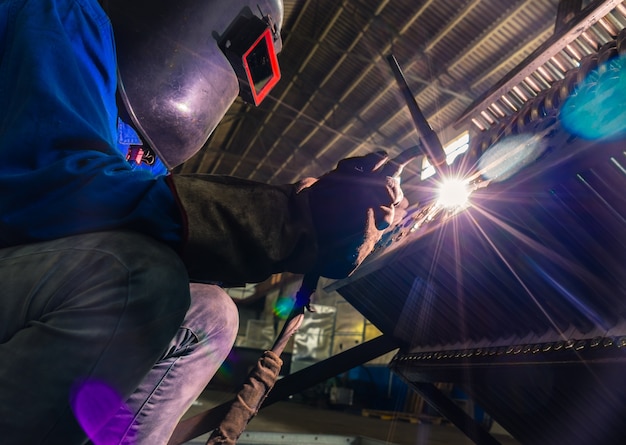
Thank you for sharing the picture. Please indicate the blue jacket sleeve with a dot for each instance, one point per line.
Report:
(86, 191)
(60, 170)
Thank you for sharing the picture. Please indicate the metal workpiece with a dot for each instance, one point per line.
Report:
(587, 30)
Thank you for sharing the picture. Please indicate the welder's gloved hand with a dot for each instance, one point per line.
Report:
(351, 206)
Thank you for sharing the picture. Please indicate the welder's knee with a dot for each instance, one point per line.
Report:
(105, 305)
(204, 339)
(214, 313)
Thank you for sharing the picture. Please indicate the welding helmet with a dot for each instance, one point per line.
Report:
(181, 65)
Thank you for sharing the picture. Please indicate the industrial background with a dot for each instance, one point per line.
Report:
(510, 310)
(338, 98)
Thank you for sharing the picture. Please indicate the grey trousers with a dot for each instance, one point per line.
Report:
(102, 338)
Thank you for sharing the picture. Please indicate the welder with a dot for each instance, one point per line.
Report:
(112, 320)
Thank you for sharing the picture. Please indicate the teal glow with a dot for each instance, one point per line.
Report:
(596, 110)
(283, 307)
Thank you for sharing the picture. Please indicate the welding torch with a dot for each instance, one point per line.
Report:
(394, 166)
(429, 145)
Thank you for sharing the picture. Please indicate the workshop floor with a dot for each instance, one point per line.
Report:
(291, 417)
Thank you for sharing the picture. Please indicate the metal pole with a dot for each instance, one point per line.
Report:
(454, 413)
(430, 143)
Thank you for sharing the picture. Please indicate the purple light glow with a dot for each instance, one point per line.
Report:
(101, 412)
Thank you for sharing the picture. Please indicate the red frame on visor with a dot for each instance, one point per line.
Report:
(249, 47)
(259, 88)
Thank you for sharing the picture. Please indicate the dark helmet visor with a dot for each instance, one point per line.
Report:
(182, 64)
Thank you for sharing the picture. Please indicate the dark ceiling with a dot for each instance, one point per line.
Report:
(337, 96)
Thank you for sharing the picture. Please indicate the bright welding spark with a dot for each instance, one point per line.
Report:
(453, 193)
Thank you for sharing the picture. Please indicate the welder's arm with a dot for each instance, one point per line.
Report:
(243, 231)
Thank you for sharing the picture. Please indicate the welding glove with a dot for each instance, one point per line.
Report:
(240, 231)
(351, 206)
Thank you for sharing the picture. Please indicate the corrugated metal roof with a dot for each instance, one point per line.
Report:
(338, 97)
